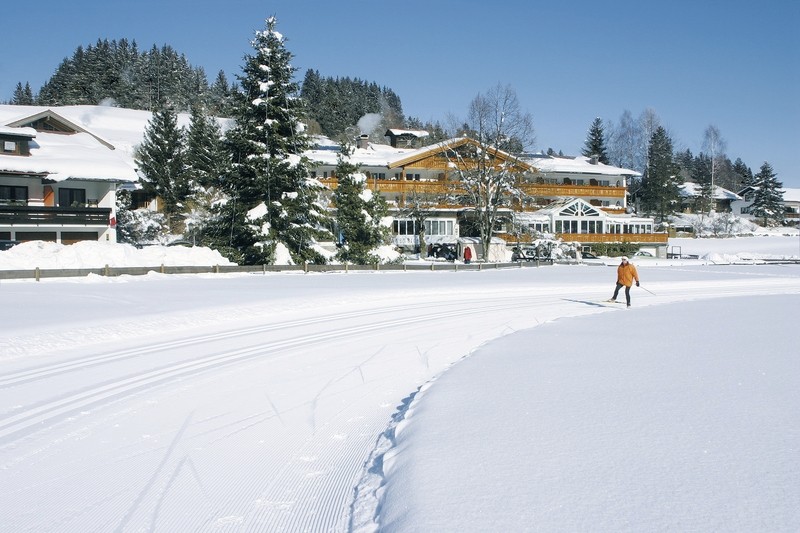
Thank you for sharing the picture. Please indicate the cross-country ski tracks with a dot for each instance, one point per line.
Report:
(83, 362)
(21, 422)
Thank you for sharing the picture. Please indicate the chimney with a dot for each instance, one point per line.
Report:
(362, 141)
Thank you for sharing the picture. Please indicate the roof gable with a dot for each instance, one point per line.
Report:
(571, 207)
(439, 155)
(49, 120)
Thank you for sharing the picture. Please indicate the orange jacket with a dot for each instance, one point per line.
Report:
(626, 274)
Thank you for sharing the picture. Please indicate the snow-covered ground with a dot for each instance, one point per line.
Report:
(494, 400)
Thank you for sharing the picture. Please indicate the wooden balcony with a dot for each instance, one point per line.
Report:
(444, 187)
(544, 189)
(650, 238)
(654, 238)
(54, 216)
(402, 186)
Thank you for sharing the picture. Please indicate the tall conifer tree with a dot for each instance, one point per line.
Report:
(359, 214)
(661, 182)
(161, 162)
(768, 198)
(595, 145)
(273, 200)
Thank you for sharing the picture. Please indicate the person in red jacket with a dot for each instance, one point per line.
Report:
(626, 275)
(467, 255)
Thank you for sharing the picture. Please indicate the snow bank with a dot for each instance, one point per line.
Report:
(93, 254)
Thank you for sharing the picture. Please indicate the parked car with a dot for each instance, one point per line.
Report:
(591, 258)
(6, 244)
(523, 253)
(643, 253)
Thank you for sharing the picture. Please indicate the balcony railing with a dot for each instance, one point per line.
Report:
(653, 238)
(62, 216)
(444, 187)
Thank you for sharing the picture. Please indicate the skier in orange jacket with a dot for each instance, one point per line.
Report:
(626, 275)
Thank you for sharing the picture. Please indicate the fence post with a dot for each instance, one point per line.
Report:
(377, 266)
(106, 271)
(162, 268)
(455, 267)
(305, 267)
(37, 274)
(432, 267)
(216, 269)
(480, 266)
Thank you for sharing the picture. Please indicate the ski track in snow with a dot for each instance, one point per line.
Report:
(231, 424)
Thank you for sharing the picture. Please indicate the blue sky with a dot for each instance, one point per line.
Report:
(733, 64)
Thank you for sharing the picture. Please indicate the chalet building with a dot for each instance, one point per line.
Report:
(60, 169)
(577, 199)
(791, 203)
(58, 178)
(722, 198)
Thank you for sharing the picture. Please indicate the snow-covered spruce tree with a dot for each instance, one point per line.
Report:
(206, 164)
(661, 181)
(359, 214)
(161, 162)
(206, 160)
(272, 198)
(22, 95)
(595, 144)
(768, 197)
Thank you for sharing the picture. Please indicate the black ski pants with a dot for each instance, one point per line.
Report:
(627, 293)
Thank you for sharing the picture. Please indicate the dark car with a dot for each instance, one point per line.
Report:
(6, 244)
(588, 255)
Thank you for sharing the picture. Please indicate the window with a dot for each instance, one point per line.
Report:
(439, 227)
(10, 147)
(71, 197)
(13, 194)
(405, 227)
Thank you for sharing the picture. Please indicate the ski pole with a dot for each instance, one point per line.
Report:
(651, 292)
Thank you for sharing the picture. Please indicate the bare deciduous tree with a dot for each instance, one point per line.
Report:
(489, 170)
(714, 145)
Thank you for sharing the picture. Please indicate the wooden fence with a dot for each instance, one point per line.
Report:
(108, 271)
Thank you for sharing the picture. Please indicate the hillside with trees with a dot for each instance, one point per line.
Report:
(120, 73)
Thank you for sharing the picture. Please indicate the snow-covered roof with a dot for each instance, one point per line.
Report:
(326, 152)
(103, 148)
(416, 133)
(576, 165)
(791, 195)
(20, 132)
(692, 190)
(77, 156)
